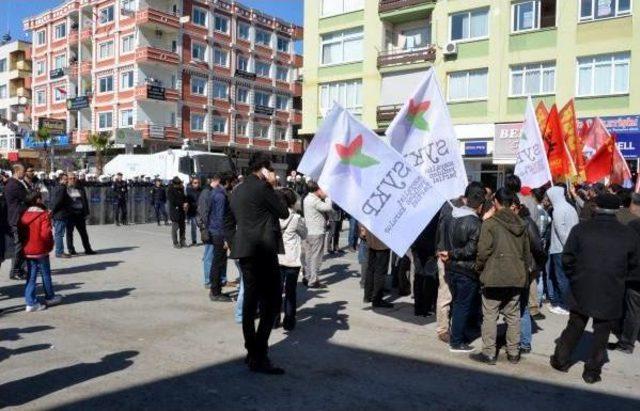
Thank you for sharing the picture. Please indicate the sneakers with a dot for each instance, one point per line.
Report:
(381, 304)
(559, 310)
(220, 298)
(621, 348)
(63, 255)
(55, 300)
(485, 359)
(461, 348)
(513, 359)
(525, 350)
(35, 307)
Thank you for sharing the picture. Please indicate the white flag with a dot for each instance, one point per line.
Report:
(370, 180)
(423, 133)
(532, 165)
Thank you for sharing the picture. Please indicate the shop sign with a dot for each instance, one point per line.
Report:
(77, 103)
(626, 130)
(155, 92)
(506, 141)
(55, 126)
(475, 148)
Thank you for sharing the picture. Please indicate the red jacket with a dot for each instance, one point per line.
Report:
(35, 232)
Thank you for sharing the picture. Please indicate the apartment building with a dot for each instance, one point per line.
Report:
(489, 54)
(215, 72)
(15, 93)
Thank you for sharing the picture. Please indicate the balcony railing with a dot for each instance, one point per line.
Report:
(386, 114)
(394, 57)
(153, 16)
(393, 5)
(158, 131)
(156, 92)
(157, 55)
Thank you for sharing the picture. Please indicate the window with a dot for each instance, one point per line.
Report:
(342, 46)
(470, 25)
(59, 94)
(262, 69)
(105, 120)
(533, 15)
(282, 73)
(59, 61)
(129, 5)
(283, 45)
(41, 37)
(41, 98)
(261, 99)
(533, 79)
(241, 128)
(3, 65)
(243, 31)
(416, 38)
(243, 63)
(346, 93)
(220, 90)
(242, 95)
(3, 91)
(41, 67)
(128, 43)
(126, 118)
(219, 125)
(282, 102)
(281, 133)
(198, 86)
(220, 57)
(197, 122)
(603, 75)
(105, 84)
(602, 9)
(260, 130)
(199, 16)
(106, 15)
(333, 7)
(263, 37)
(60, 31)
(221, 23)
(468, 85)
(198, 51)
(105, 50)
(126, 80)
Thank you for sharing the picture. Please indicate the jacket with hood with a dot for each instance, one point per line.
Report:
(538, 257)
(35, 232)
(503, 251)
(463, 235)
(294, 230)
(564, 219)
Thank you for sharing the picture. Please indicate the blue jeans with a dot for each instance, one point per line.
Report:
(466, 301)
(525, 320)
(560, 282)
(193, 222)
(44, 267)
(207, 260)
(240, 300)
(59, 229)
(161, 211)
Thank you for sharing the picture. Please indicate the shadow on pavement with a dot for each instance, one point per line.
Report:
(8, 352)
(15, 334)
(115, 250)
(101, 266)
(96, 295)
(22, 391)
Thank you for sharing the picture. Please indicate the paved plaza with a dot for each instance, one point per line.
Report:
(137, 331)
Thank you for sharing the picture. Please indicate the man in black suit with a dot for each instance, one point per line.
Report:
(253, 232)
(15, 192)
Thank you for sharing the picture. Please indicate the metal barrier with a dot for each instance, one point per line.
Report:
(102, 203)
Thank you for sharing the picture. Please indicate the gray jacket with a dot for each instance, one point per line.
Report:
(564, 219)
(315, 214)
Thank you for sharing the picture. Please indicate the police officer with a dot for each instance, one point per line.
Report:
(120, 192)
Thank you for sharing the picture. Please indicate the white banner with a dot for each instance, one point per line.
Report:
(370, 180)
(423, 133)
(532, 165)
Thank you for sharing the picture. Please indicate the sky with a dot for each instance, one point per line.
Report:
(12, 12)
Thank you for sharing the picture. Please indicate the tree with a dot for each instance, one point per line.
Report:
(44, 136)
(100, 143)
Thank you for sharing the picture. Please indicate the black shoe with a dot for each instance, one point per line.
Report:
(264, 367)
(624, 350)
(539, 317)
(591, 377)
(382, 304)
(461, 348)
(90, 252)
(289, 324)
(555, 364)
(305, 282)
(158, 223)
(63, 256)
(219, 298)
(74, 252)
(177, 246)
(117, 224)
(366, 300)
(317, 284)
(485, 359)
(525, 350)
(513, 359)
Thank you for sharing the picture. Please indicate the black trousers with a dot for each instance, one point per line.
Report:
(160, 210)
(425, 291)
(120, 212)
(17, 266)
(78, 222)
(261, 277)
(178, 226)
(400, 267)
(377, 268)
(333, 238)
(570, 338)
(218, 265)
(631, 321)
(289, 287)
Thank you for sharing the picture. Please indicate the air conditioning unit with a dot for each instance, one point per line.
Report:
(451, 49)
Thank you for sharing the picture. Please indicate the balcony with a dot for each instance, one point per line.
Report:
(73, 36)
(398, 11)
(83, 69)
(158, 131)
(156, 55)
(401, 56)
(157, 93)
(156, 17)
(386, 114)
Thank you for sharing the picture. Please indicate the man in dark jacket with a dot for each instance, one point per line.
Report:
(60, 210)
(120, 193)
(193, 193)
(217, 210)
(177, 209)
(253, 229)
(597, 278)
(459, 257)
(78, 212)
(159, 200)
(15, 193)
(425, 284)
(503, 253)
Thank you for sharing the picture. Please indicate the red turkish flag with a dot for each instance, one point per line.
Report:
(601, 163)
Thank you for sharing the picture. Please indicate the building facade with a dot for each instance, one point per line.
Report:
(15, 93)
(489, 56)
(215, 72)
